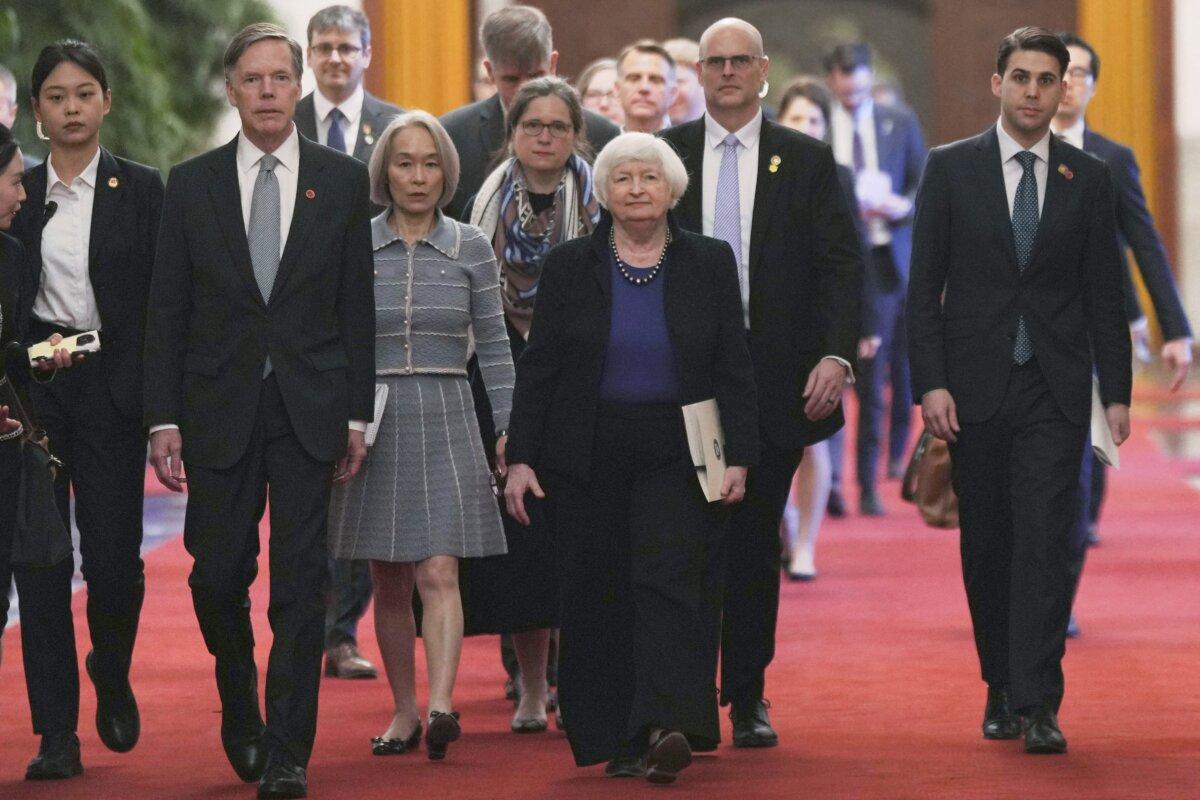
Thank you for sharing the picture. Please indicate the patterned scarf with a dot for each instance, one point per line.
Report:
(522, 238)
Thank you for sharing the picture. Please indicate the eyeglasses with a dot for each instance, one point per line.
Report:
(740, 63)
(1079, 73)
(346, 51)
(596, 94)
(534, 127)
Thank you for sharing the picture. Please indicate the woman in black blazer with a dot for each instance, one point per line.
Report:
(632, 322)
(89, 229)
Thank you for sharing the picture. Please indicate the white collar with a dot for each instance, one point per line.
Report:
(1074, 133)
(288, 153)
(747, 136)
(88, 175)
(863, 112)
(1009, 146)
(351, 107)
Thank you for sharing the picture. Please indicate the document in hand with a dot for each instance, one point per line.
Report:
(381, 393)
(706, 441)
(1102, 441)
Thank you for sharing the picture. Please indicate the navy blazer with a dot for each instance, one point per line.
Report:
(209, 331)
(1137, 232)
(125, 215)
(375, 116)
(557, 391)
(1070, 293)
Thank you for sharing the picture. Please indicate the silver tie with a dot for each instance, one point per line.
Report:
(263, 235)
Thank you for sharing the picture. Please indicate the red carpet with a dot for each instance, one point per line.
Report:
(875, 686)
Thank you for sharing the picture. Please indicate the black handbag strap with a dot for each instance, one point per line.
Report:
(14, 397)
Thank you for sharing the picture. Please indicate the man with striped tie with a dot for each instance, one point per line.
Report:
(1015, 295)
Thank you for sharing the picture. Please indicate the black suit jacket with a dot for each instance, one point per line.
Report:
(210, 332)
(805, 271)
(125, 215)
(558, 376)
(376, 114)
(477, 131)
(1070, 293)
(1137, 232)
(12, 270)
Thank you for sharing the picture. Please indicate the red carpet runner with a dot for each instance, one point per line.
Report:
(875, 687)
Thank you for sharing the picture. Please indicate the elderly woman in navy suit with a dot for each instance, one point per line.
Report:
(632, 322)
(89, 230)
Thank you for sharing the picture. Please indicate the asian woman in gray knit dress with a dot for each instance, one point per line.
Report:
(423, 499)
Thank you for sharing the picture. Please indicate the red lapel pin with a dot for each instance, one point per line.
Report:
(1065, 171)
(310, 194)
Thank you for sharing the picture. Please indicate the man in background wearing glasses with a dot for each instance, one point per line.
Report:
(774, 196)
(342, 115)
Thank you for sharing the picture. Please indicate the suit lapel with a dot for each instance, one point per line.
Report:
(227, 208)
(691, 206)
(35, 199)
(310, 197)
(108, 195)
(990, 179)
(491, 130)
(764, 191)
(369, 126)
(306, 117)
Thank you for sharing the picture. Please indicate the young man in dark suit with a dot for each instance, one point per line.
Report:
(518, 45)
(773, 194)
(884, 147)
(342, 115)
(260, 362)
(1015, 297)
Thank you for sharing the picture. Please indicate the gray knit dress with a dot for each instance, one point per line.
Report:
(425, 488)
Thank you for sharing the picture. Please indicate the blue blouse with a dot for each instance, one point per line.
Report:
(640, 362)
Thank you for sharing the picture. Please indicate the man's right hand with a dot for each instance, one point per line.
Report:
(521, 479)
(166, 454)
(940, 415)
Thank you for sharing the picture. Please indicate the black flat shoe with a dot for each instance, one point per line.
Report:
(999, 720)
(1042, 734)
(443, 729)
(752, 726)
(57, 758)
(395, 747)
(283, 781)
(668, 755)
(117, 720)
(626, 767)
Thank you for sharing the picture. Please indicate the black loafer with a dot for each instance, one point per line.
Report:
(752, 726)
(1042, 734)
(443, 729)
(117, 720)
(999, 720)
(57, 758)
(669, 754)
(283, 781)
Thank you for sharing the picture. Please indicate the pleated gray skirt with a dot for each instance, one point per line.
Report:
(425, 489)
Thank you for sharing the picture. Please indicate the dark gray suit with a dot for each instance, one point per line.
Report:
(376, 114)
(477, 130)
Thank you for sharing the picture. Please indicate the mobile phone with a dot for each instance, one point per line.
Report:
(86, 342)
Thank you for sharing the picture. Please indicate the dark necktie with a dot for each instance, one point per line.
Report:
(336, 139)
(1025, 225)
(860, 160)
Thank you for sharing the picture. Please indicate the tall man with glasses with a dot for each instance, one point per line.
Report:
(342, 115)
(773, 195)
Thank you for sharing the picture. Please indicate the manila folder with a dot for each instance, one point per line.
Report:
(1102, 441)
(706, 441)
(381, 395)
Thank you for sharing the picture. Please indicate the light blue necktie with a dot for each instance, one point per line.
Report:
(336, 139)
(263, 232)
(1025, 226)
(727, 216)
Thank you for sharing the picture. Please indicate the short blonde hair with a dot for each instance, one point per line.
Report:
(640, 147)
(447, 155)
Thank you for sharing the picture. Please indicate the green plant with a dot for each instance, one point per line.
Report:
(163, 59)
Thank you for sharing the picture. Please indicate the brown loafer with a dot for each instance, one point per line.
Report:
(344, 661)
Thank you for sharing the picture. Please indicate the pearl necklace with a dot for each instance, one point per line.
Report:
(624, 268)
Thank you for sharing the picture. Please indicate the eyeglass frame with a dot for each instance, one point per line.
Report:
(346, 50)
(711, 62)
(526, 124)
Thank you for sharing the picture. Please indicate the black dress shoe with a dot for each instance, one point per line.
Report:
(283, 780)
(443, 729)
(870, 505)
(752, 726)
(668, 755)
(57, 758)
(626, 767)
(241, 722)
(1042, 734)
(244, 748)
(117, 718)
(836, 505)
(999, 720)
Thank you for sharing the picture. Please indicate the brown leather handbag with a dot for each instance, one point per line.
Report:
(927, 482)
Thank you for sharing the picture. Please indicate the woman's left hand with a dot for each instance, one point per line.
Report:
(733, 487)
(501, 466)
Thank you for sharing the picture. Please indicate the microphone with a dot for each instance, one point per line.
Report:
(51, 207)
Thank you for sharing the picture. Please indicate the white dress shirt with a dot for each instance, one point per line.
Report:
(1009, 147)
(351, 109)
(66, 297)
(845, 123)
(1072, 135)
(747, 162)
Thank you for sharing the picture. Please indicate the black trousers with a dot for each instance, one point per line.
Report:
(640, 557)
(349, 596)
(888, 367)
(1017, 479)
(751, 594)
(104, 455)
(221, 533)
(47, 632)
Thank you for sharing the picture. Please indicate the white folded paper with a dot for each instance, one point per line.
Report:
(1102, 441)
(706, 441)
(381, 393)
